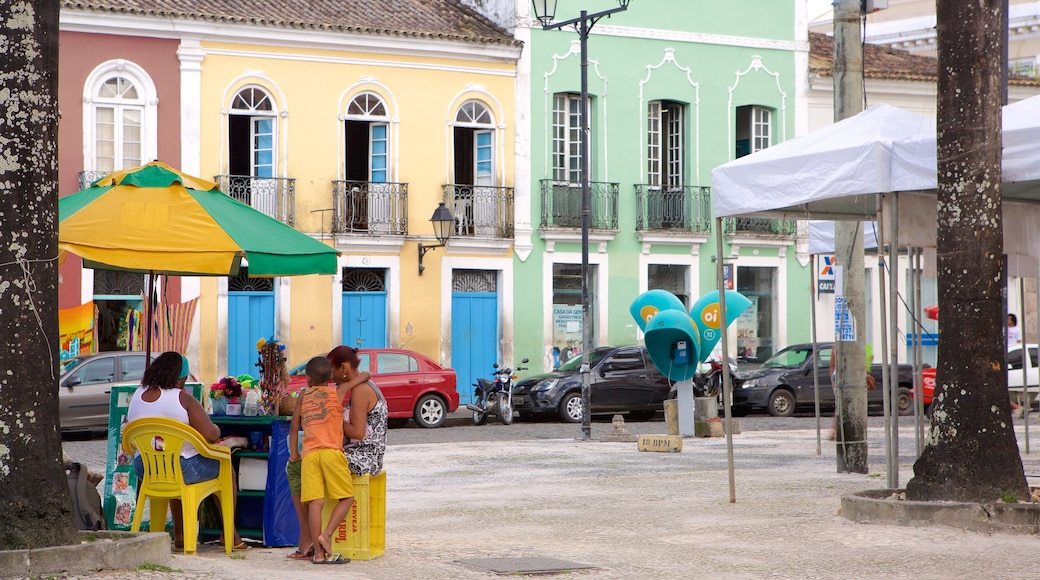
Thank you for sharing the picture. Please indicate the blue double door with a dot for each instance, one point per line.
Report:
(364, 319)
(250, 318)
(474, 339)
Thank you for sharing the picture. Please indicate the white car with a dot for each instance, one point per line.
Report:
(1014, 360)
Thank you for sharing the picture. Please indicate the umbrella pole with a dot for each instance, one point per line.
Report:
(149, 288)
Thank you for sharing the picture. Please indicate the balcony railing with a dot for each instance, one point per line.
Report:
(369, 207)
(561, 204)
(758, 226)
(482, 211)
(274, 196)
(88, 177)
(673, 208)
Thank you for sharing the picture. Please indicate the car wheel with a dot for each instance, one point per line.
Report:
(905, 401)
(396, 423)
(781, 403)
(570, 408)
(504, 409)
(429, 412)
(641, 415)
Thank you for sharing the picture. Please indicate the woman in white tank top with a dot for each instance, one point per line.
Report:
(161, 394)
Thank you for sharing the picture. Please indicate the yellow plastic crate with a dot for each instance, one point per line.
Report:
(362, 535)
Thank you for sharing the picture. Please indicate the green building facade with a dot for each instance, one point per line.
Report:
(675, 88)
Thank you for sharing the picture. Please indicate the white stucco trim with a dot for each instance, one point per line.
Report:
(72, 20)
(256, 78)
(523, 229)
(504, 266)
(369, 84)
(695, 105)
(778, 263)
(596, 258)
(148, 101)
(392, 284)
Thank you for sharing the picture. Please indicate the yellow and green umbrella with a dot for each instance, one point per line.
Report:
(156, 219)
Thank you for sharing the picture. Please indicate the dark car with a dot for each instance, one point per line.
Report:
(85, 386)
(622, 379)
(414, 386)
(784, 384)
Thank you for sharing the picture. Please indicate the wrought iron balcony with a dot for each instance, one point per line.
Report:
(274, 196)
(758, 226)
(88, 177)
(673, 208)
(481, 211)
(561, 204)
(369, 207)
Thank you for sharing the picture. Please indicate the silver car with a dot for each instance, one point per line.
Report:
(85, 387)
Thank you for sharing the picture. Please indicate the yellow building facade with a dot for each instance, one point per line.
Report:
(355, 139)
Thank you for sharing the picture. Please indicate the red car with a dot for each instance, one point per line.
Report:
(415, 387)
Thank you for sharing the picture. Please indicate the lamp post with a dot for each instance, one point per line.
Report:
(545, 12)
(442, 224)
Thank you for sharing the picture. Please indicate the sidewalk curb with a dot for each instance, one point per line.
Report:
(99, 550)
(879, 507)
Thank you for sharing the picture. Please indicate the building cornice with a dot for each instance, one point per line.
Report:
(175, 29)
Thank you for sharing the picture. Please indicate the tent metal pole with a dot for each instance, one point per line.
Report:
(893, 344)
(886, 403)
(727, 383)
(815, 349)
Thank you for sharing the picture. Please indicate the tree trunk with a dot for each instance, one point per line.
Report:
(36, 509)
(971, 453)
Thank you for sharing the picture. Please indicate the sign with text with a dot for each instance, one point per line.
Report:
(844, 330)
(825, 275)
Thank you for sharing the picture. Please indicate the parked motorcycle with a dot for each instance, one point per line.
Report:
(707, 382)
(495, 397)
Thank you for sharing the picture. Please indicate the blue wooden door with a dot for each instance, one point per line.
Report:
(364, 319)
(250, 318)
(474, 338)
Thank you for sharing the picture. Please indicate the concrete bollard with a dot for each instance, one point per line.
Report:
(705, 408)
(671, 416)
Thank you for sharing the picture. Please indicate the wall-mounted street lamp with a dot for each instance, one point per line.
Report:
(442, 224)
(545, 12)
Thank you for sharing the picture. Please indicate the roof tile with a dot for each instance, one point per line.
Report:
(445, 19)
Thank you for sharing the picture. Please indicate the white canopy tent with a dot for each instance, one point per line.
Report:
(832, 173)
(836, 173)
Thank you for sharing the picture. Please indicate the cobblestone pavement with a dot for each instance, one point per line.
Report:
(532, 489)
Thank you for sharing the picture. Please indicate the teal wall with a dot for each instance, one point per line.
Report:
(625, 73)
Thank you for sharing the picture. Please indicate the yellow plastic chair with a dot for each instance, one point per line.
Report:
(159, 441)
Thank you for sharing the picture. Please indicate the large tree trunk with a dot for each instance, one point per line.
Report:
(972, 454)
(36, 506)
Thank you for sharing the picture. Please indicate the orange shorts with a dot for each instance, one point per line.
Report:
(325, 473)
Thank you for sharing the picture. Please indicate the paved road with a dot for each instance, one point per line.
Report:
(524, 491)
(91, 448)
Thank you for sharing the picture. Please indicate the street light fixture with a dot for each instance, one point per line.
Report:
(442, 224)
(545, 12)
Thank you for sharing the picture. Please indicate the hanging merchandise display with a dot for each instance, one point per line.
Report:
(274, 378)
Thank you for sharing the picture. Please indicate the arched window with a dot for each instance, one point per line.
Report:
(367, 131)
(119, 118)
(474, 145)
(251, 133)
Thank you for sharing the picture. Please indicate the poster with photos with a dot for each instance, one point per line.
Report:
(120, 492)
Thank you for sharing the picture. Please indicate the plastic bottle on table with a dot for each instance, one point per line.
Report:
(250, 408)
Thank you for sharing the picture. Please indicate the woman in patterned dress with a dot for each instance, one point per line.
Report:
(364, 415)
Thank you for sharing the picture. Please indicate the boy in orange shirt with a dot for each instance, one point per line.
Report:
(325, 472)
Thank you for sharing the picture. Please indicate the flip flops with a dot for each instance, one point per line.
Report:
(298, 555)
(241, 547)
(331, 559)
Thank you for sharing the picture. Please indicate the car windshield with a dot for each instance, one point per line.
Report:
(574, 363)
(789, 358)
